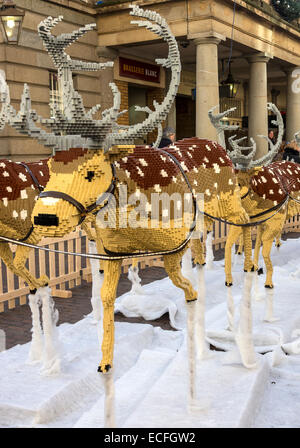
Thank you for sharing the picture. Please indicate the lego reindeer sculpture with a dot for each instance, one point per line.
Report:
(267, 189)
(94, 176)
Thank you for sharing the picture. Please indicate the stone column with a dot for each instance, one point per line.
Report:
(207, 83)
(258, 97)
(292, 107)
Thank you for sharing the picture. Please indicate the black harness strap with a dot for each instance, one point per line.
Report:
(182, 245)
(28, 234)
(270, 209)
(80, 207)
(35, 181)
(245, 195)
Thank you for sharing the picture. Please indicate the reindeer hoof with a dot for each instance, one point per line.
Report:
(269, 286)
(106, 368)
(33, 291)
(260, 271)
(228, 284)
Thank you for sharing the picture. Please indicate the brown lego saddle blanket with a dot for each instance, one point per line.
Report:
(148, 166)
(15, 178)
(274, 181)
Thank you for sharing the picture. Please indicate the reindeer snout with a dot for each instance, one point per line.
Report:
(45, 219)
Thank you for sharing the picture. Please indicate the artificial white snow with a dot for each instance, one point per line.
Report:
(2, 340)
(37, 344)
(150, 305)
(133, 276)
(151, 372)
(209, 251)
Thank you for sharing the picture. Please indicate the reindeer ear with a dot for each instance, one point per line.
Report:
(117, 151)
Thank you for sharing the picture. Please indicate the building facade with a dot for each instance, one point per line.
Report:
(245, 39)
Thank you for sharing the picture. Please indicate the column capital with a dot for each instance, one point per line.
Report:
(259, 57)
(210, 37)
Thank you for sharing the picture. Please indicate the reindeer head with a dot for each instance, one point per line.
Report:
(79, 176)
(243, 156)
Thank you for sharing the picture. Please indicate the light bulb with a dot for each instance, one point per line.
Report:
(10, 23)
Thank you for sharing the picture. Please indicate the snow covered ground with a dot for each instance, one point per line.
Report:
(150, 364)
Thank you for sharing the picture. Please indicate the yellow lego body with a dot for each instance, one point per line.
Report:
(267, 189)
(181, 172)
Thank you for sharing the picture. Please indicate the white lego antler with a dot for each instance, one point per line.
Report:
(238, 158)
(242, 161)
(161, 28)
(221, 126)
(73, 119)
(274, 148)
(71, 125)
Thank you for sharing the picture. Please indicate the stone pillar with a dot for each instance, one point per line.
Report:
(207, 83)
(258, 98)
(292, 107)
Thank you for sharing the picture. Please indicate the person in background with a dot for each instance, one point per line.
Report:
(168, 137)
(272, 136)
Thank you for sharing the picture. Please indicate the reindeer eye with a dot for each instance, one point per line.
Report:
(90, 175)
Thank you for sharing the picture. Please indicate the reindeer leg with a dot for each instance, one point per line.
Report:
(34, 303)
(248, 264)
(257, 244)
(258, 241)
(241, 245)
(21, 256)
(173, 269)
(266, 250)
(7, 257)
(278, 241)
(231, 239)
(198, 253)
(112, 271)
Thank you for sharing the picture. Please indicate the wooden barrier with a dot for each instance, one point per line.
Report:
(67, 271)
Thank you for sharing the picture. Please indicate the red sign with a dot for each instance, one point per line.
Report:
(139, 70)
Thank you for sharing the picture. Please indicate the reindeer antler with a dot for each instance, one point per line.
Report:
(221, 126)
(72, 125)
(242, 161)
(267, 158)
(160, 28)
(75, 120)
